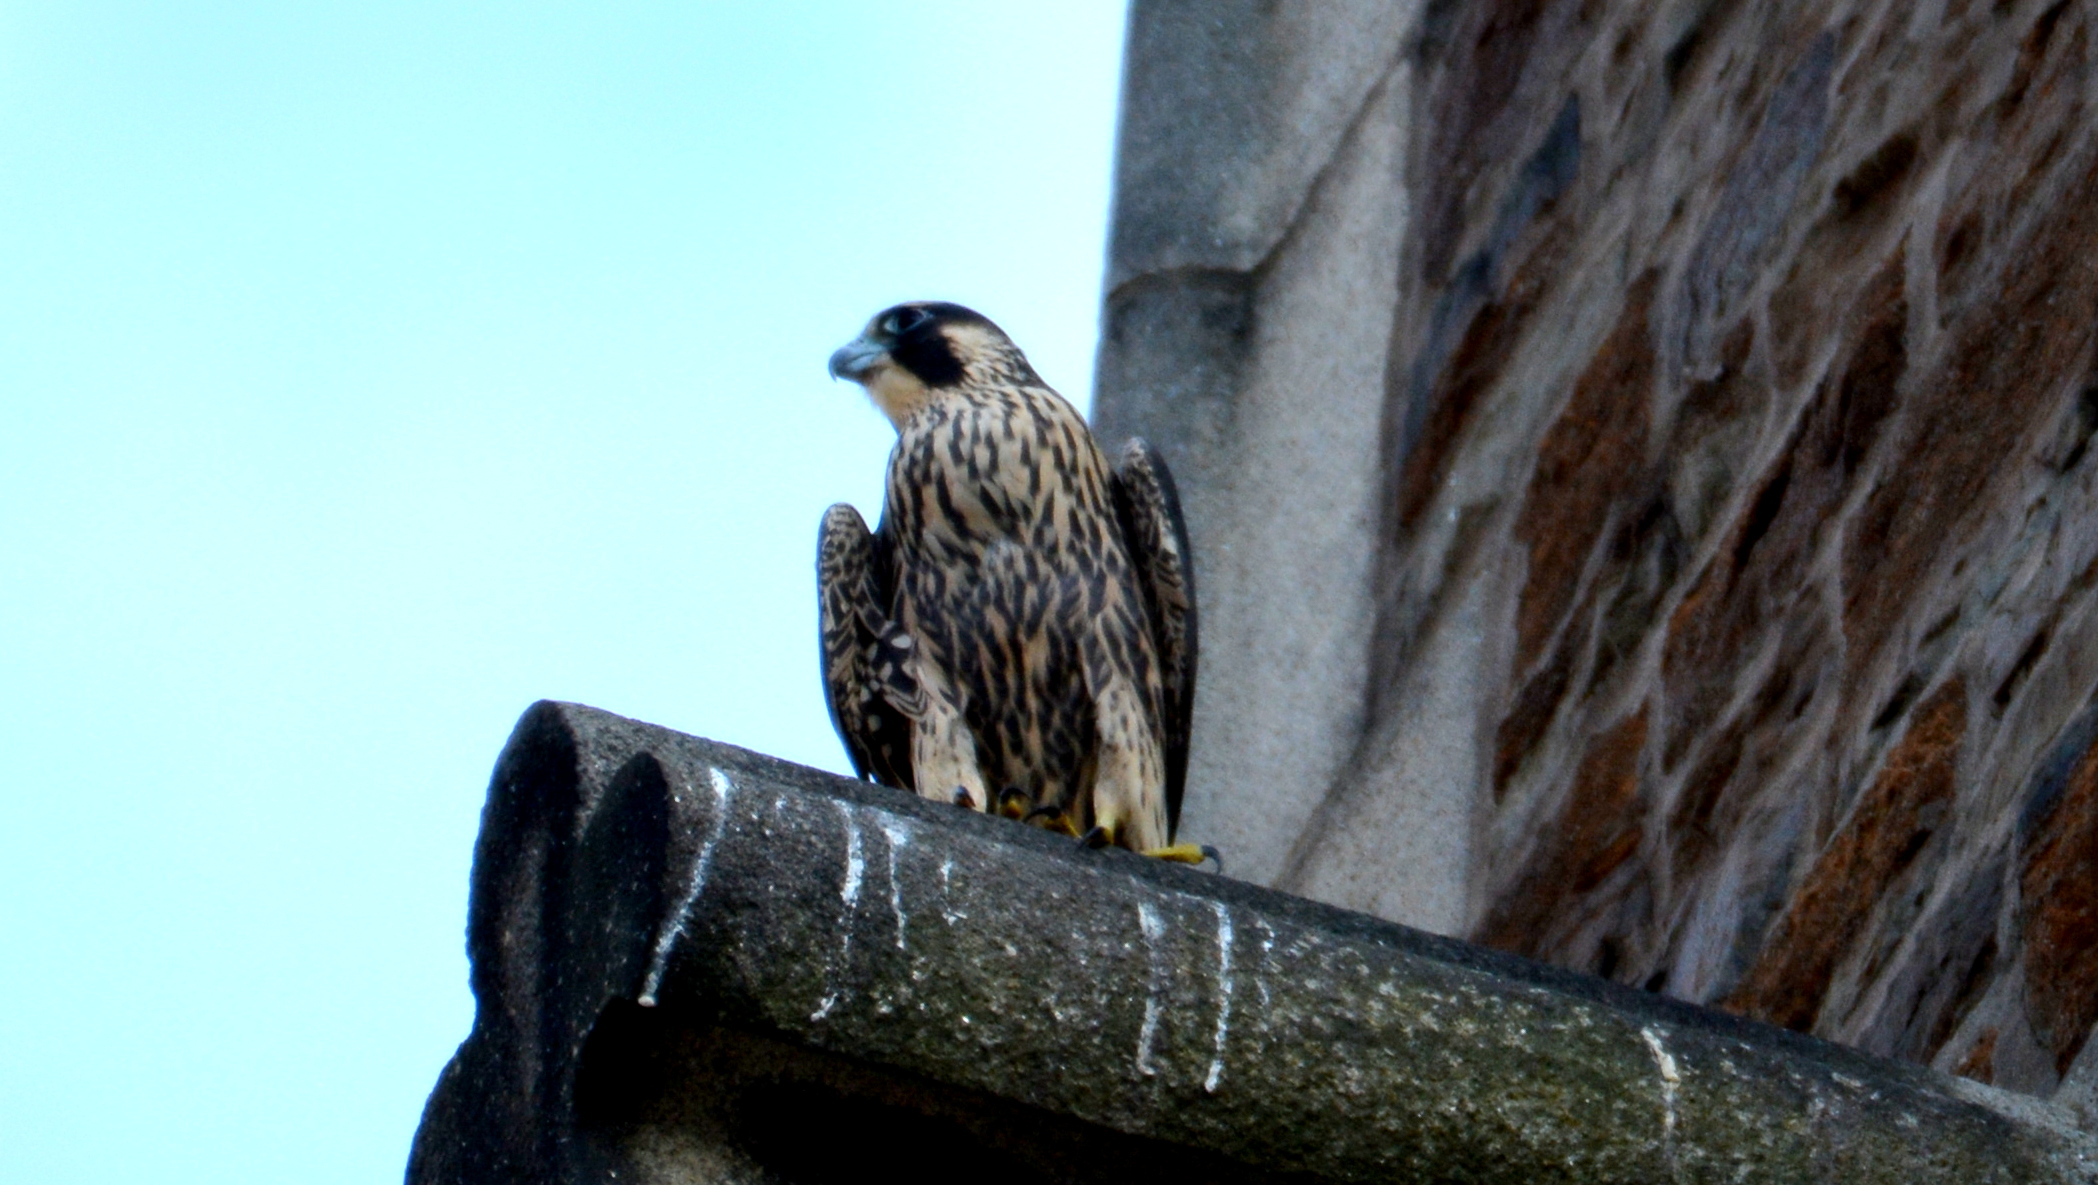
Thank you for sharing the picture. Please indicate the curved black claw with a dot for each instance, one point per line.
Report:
(962, 798)
(1012, 801)
(1051, 817)
(1210, 853)
(1095, 838)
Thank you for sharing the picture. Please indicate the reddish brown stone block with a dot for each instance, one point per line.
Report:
(2059, 907)
(1756, 577)
(2011, 362)
(1886, 831)
(1594, 455)
(1598, 829)
(1535, 706)
(1472, 369)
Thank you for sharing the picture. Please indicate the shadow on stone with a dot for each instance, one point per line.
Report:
(665, 1094)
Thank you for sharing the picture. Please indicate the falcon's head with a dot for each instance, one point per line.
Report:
(908, 355)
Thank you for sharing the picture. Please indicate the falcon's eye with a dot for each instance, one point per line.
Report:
(904, 320)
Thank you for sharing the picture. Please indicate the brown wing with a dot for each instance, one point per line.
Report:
(1156, 536)
(854, 587)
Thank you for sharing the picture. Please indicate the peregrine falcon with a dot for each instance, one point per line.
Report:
(1018, 636)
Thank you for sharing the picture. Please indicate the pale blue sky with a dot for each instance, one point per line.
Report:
(372, 370)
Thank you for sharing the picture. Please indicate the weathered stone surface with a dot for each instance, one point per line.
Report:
(696, 963)
(2059, 887)
(1592, 457)
(1736, 369)
(1758, 196)
(1231, 110)
(1599, 830)
(1272, 410)
(1887, 830)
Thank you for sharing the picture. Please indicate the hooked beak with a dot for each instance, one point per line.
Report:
(855, 358)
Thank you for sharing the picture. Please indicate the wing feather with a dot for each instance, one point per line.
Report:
(1156, 535)
(855, 589)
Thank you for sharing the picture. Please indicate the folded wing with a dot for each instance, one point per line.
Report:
(1156, 536)
(855, 589)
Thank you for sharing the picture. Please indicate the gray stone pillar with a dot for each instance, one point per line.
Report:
(1260, 212)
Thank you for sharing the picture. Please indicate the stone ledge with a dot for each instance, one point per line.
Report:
(692, 962)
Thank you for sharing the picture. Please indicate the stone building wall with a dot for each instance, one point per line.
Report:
(1638, 458)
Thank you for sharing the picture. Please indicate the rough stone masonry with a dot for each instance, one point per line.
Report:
(1638, 459)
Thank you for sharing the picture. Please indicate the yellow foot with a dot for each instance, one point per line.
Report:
(1187, 853)
(1052, 818)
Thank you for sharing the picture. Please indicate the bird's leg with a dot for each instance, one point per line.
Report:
(943, 750)
(1103, 836)
(1052, 817)
(1129, 783)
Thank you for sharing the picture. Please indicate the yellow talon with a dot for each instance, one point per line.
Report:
(1052, 818)
(1187, 853)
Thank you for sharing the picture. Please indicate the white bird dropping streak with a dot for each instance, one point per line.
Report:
(660, 959)
(899, 837)
(952, 917)
(855, 863)
(1260, 974)
(1670, 1079)
(1224, 936)
(1154, 928)
(849, 893)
